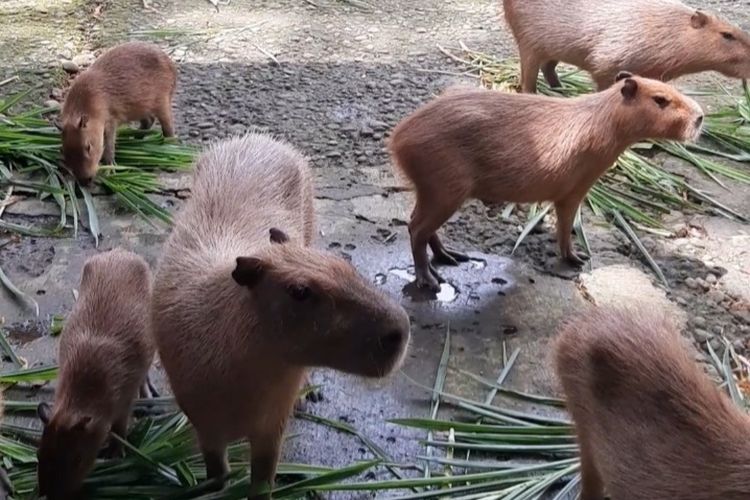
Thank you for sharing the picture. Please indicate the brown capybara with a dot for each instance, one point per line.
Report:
(243, 305)
(104, 356)
(134, 81)
(650, 423)
(502, 147)
(659, 39)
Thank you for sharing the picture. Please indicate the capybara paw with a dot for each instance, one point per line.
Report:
(108, 159)
(314, 396)
(575, 259)
(428, 281)
(450, 257)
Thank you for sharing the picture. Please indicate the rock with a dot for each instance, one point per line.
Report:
(70, 67)
(716, 296)
(205, 125)
(716, 343)
(85, 59)
(711, 279)
(691, 283)
(717, 329)
(56, 94)
(366, 131)
(699, 322)
(378, 125)
(701, 336)
(52, 104)
(421, 30)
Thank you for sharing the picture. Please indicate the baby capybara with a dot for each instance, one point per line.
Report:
(104, 356)
(134, 81)
(650, 424)
(659, 39)
(502, 147)
(243, 305)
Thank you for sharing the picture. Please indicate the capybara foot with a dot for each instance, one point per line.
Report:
(147, 123)
(449, 257)
(428, 279)
(108, 158)
(576, 259)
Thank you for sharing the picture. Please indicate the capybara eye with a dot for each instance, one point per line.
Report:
(662, 102)
(300, 292)
(728, 36)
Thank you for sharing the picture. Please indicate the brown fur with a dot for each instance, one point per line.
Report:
(131, 82)
(104, 356)
(659, 39)
(501, 147)
(650, 423)
(238, 319)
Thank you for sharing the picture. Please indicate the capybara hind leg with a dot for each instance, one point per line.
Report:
(548, 70)
(264, 457)
(566, 212)
(530, 65)
(444, 255)
(148, 122)
(592, 487)
(110, 133)
(165, 119)
(217, 466)
(426, 220)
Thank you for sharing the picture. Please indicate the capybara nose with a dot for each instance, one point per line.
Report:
(85, 181)
(393, 341)
(699, 121)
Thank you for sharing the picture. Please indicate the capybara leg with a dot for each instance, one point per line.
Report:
(566, 212)
(119, 427)
(110, 133)
(548, 70)
(148, 122)
(592, 487)
(165, 119)
(314, 395)
(264, 457)
(444, 255)
(217, 466)
(426, 219)
(529, 72)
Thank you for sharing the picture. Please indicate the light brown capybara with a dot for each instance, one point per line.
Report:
(501, 147)
(104, 355)
(243, 305)
(134, 81)
(650, 423)
(659, 39)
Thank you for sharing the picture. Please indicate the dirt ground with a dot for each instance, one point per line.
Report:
(333, 78)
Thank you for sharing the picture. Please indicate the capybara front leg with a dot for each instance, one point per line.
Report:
(566, 212)
(592, 487)
(264, 457)
(530, 65)
(148, 122)
(110, 133)
(548, 70)
(217, 465)
(444, 255)
(165, 119)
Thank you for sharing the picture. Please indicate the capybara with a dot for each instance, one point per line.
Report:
(134, 81)
(104, 356)
(502, 147)
(650, 423)
(243, 305)
(659, 39)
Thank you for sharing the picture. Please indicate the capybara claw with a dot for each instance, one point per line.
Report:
(450, 257)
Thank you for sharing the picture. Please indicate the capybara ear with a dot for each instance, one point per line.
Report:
(45, 412)
(249, 271)
(699, 19)
(629, 88)
(83, 121)
(278, 236)
(623, 75)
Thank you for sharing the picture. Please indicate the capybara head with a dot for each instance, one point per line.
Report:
(723, 47)
(321, 311)
(656, 110)
(82, 147)
(67, 452)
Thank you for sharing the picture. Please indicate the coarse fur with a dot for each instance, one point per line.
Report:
(659, 39)
(105, 352)
(502, 147)
(650, 423)
(134, 81)
(243, 305)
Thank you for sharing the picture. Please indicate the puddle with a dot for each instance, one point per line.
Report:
(447, 293)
